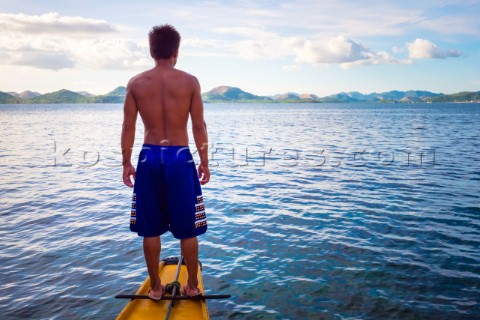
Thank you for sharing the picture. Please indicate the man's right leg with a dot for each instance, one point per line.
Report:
(151, 251)
(190, 253)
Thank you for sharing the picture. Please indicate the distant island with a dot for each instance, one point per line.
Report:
(232, 94)
(62, 96)
(226, 94)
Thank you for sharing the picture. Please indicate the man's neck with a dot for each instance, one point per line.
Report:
(170, 62)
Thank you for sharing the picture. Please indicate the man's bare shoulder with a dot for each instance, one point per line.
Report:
(139, 78)
(174, 73)
(185, 76)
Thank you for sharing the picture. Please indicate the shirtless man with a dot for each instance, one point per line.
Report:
(167, 194)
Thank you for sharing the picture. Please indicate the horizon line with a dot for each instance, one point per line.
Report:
(271, 95)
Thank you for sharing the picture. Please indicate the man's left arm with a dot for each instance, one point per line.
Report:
(130, 112)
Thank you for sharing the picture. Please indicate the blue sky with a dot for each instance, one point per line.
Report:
(263, 47)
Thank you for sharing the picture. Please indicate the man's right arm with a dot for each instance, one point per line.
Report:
(200, 135)
(130, 112)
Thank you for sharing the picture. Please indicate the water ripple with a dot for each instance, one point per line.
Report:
(299, 228)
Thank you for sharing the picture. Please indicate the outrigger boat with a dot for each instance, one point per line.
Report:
(172, 306)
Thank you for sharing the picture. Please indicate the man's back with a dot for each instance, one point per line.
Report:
(163, 96)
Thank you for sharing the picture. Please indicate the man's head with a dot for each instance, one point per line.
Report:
(164, 42)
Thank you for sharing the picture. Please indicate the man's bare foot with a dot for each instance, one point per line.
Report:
(191, 291)
(156, 294)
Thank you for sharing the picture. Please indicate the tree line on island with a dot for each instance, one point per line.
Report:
(225, 94)
(62, 96)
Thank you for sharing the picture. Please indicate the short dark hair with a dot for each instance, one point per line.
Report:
(164, 40)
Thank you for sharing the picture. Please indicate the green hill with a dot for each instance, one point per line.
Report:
(115, 96)
(6, 98)
(62, 96)
(457, 97)
(66, 96)
(232, 94)
(291, 97)
(339, 97)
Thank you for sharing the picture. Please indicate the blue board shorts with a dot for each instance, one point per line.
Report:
(167, 195)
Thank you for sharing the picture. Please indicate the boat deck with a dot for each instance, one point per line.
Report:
(146, 309)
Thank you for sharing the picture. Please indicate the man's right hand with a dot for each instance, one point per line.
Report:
(203, 173)
(128, 172)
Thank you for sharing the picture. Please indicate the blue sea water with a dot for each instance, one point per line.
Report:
(315, 211)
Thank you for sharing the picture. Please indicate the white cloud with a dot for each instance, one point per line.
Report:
(396, 49)
(264, 13)
(90, 54)
(198, 43)
(262, 29)
(299, 31)
(254, 43)
(109, 53)
(250, 32)
(449, 24)
(41, 59)
(254, 49)
(355, 18)
(51, 41)
(322, 18)
(337, 50)
(293, 67)
(374, 58)
(341, 50)
(53, 23)
(424, 49)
